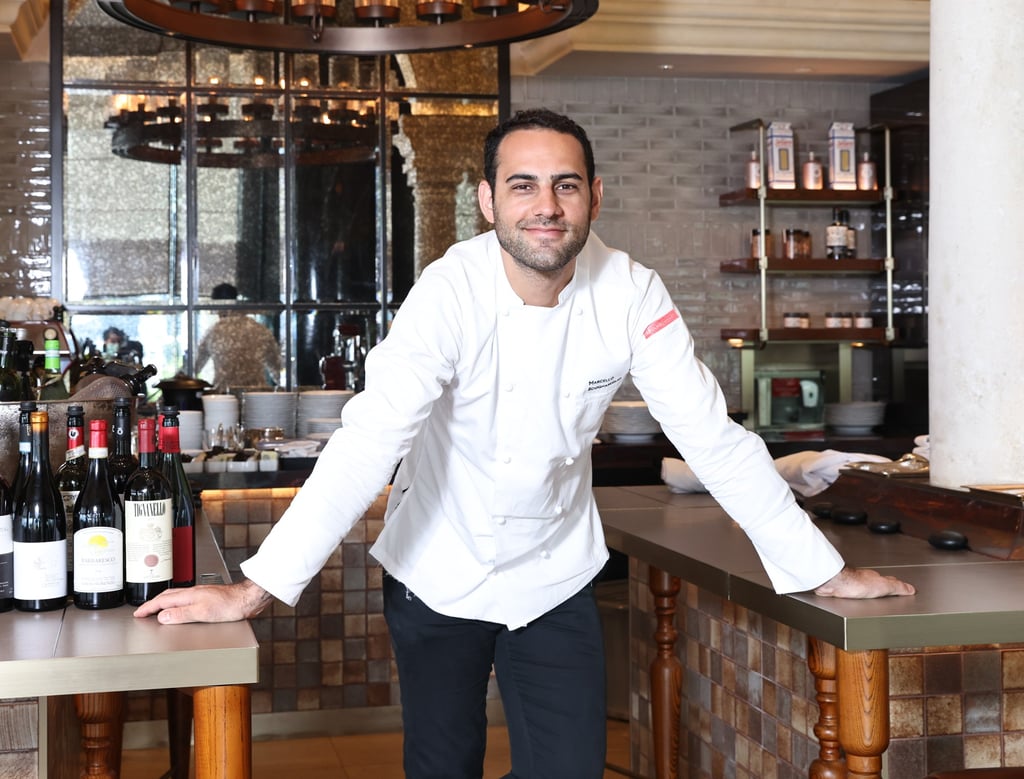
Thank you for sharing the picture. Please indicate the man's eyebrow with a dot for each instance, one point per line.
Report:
(557, 177)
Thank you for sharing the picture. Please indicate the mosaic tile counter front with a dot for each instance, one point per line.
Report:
(332, 650)
(748, 705)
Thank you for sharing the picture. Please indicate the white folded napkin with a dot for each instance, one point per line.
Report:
(922, 446)
(808, 473)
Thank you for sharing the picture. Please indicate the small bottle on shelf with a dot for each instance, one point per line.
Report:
(831, 319)
(753, 178)
(835, 237)
(867, 177)
(851, 235)
(863, 320)
(812, 173)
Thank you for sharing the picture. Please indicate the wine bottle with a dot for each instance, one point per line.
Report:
(10, 381)
(121, 462)
(24, 451)
(51, 382)
(6, 547)
(40, 531)
(98, 538)
(23, 351)
(184, 508)
(71, 475)
(148, 523)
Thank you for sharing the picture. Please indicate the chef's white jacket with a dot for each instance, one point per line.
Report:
(491, 406)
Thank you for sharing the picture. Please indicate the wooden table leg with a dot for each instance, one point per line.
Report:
(101, 715)
(666, 676)
(223, 732)
(179, 732)
(821, 660)
(863, 710)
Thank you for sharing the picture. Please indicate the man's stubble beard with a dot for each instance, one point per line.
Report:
(545, 260)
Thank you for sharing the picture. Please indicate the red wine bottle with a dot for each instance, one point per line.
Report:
(6, 547)
(184, 507)
(121, 461)
(98, 539)
(40, 531)
(148, 523)
(71, 476)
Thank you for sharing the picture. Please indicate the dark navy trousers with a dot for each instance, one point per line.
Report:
(550, 674)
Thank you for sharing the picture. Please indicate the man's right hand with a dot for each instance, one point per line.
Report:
(207, 603)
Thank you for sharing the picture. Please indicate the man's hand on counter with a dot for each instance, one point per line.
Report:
(207, 603)
(863, 583)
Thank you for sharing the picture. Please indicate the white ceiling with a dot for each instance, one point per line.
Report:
(838, 39)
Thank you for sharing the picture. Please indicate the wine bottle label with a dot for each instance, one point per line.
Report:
(835, 235)
(40, 570)
(148, 540)
(69, 497)
(6, 556)
(99, 560)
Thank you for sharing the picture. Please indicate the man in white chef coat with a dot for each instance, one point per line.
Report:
(489, 389)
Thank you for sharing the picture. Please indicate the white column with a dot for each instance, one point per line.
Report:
(976, 242)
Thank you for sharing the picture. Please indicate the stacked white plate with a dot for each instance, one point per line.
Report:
(270, 409)
(190, 430)
(855, 417)
(320, 405)
(629, 421)
(220, 411)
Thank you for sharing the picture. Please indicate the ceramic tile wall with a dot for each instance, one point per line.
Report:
(749, 708)
(665, 153)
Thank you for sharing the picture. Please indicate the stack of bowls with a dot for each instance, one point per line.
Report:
(270, 409)
(629, 421)
(854, 418)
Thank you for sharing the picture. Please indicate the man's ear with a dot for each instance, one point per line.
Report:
(485, 196)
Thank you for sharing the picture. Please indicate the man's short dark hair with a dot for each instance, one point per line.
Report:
(224, 291)
(534, 119)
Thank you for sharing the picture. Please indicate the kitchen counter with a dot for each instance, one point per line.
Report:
(96, 655)
(964, 598)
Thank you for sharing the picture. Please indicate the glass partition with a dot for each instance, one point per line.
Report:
(316, 187)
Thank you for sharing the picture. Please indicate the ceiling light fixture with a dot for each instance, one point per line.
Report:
(321, 133)
(359, 27)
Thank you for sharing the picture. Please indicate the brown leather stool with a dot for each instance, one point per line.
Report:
(980, 773)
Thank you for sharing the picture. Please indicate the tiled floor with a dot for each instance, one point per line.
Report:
(362, 756)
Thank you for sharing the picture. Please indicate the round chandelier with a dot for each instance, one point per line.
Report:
(318, 136)
(358, 27)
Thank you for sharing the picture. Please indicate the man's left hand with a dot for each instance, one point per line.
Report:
(863, 583)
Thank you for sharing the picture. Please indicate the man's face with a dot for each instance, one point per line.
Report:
(542, 204)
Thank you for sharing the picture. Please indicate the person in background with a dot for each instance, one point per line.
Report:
(489, 390)
(117, 345)
(244, 352)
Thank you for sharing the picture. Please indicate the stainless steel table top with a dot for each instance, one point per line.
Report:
(962, 597)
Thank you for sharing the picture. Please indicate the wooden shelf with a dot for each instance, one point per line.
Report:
(845, 266)
(807, 334)
(803, 197)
